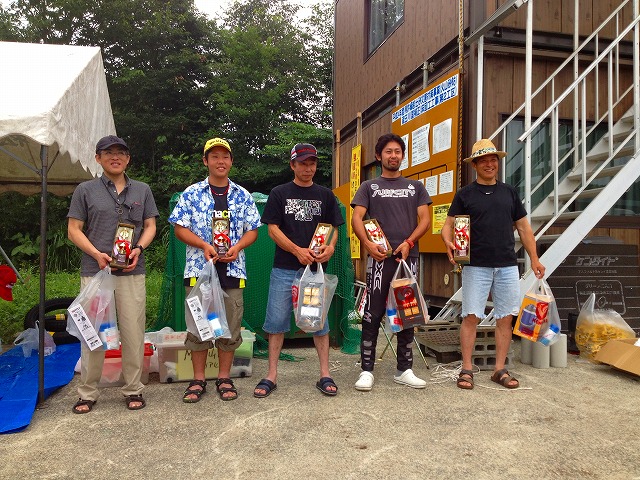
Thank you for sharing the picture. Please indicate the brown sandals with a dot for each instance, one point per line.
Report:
(502, 377)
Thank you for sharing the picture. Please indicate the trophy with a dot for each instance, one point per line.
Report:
(321, 236)
(221, 240)
(376, 235)
(462, 239)
(122, 244)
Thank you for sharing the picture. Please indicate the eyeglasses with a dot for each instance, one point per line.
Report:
(115, 153)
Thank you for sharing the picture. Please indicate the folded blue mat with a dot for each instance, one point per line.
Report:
(19, 382)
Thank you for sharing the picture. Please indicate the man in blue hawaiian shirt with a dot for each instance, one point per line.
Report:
(217, 219)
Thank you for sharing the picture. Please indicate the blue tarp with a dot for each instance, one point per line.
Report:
(19, 382)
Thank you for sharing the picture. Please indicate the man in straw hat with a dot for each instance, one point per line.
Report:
(494, 209)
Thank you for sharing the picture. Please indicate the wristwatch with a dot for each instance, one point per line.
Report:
(140, 247)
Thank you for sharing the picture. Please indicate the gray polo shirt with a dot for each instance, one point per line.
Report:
(95, 202)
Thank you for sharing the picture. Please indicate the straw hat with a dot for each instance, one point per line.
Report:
(484, 147)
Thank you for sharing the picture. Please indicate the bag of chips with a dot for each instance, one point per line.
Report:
(595, 327)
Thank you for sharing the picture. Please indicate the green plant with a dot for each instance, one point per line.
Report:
(59, 284)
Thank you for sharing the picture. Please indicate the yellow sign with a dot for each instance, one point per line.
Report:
(439, 216)
(354, 184)
(184, 367)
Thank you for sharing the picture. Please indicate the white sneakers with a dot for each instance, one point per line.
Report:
(365, 381)
(409, 379)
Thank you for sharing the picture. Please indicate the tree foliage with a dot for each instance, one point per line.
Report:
(261, 78)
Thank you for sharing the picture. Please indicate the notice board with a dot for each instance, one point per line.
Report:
(428, 124)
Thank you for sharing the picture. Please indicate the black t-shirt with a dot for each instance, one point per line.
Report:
(297, 211)
(394, 203)
(493, 210)
(221, 207)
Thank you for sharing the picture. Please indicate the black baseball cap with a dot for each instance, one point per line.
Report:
(109, 141)
(302, 151)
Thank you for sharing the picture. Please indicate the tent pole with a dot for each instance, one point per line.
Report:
(43, 268)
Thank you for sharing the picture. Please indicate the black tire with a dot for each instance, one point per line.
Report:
(51, 322)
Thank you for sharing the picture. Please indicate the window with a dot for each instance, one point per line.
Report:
(384, 17)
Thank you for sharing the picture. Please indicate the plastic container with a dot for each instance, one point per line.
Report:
(110, 336)
(112, 368)
(550, 336)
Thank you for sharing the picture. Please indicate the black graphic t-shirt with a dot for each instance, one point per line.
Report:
(221, 210)
(394, 203)
(297, 211)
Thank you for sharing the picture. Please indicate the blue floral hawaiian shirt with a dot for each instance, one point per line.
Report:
(194, 211)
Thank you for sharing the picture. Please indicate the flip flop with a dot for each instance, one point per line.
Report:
(324, 383)
(265, 384)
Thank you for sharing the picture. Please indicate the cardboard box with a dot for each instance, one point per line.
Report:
(322, 236)
(174, 360)
(621, 354)
(112, 367)
(376, 235)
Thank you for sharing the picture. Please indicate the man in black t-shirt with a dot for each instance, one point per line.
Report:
(494, 209)
(292, 212)
(401, 207)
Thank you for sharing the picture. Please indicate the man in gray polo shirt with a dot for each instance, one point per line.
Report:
(97, 208)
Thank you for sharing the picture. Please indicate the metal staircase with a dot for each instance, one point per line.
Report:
(579, 183)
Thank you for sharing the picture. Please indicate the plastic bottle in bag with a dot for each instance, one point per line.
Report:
(110, 336)
(216, 327)
(394, 322)
(550, 335)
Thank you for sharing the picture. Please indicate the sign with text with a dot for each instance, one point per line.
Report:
(428, 122)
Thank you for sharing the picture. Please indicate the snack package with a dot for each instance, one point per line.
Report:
(94, 306)
(376, 235)
(312, 293)
(594, 328)
(205, 315)
(122, 245)
(462, 239)
(406, 297)
(322, 236)
(538, 319)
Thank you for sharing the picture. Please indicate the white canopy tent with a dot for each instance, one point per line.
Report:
(54, 107)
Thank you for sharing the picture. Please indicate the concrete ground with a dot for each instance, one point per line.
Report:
(580, 422)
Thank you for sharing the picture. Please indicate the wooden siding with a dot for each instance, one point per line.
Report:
(361, 81)
(557, 15)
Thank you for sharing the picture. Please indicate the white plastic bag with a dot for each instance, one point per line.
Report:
(93, 307)
(312, 293)
(29, 340)
(538, 319)
(205, 314)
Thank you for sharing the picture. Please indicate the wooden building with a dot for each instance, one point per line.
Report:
(551, 92)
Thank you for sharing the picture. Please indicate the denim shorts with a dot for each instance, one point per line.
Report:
(280, 305)
(502, 283)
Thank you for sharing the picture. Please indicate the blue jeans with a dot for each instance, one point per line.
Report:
(502, 283)
(280, 304)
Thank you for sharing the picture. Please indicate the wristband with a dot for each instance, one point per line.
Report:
(140, 247)
(410, 243)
